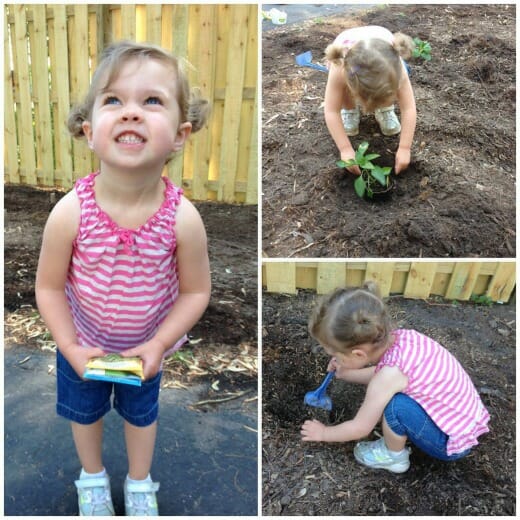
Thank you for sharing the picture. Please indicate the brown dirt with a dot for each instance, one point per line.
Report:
(224, 340)
(456, 199)
(324, 479)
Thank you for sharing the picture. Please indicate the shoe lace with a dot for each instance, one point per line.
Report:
(98, 498)
(142, 503)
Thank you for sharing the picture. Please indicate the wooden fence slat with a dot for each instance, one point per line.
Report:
(382, 274)
(463, 280)
(330, 275)
(502, 283)
(281, 277)
(128, 22)
(233, 103)
(40, 94)
(420, 280)
(10, 141)
(204, 74)
(253, 166)
(60, 80)
(26, 132)
(153, 23)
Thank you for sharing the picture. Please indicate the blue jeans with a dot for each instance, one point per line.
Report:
(405, 416)
(85, 402)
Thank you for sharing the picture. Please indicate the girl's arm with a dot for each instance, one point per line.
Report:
(53, 265)
(335, 93)
(382, 387)
(408, 121)
(194, 289)
(359, 375)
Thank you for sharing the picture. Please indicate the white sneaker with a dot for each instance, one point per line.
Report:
(94, 497)
(376, 455)
(350, 120)
(140, 498)
(388, 121)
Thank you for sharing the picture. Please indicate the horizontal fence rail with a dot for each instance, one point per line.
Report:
(452, 280)
(51, 51)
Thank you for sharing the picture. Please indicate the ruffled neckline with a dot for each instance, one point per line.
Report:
(171, 198)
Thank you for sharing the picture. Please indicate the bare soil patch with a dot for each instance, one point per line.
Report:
(456, 199)
(224, 342)
(324, 479)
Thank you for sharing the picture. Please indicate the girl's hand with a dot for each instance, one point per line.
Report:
(333, 365)
(313, 431)
(351, 154)
(78, 356)
(151, 353)
(402, 159)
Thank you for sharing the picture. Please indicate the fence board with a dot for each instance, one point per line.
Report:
(220, 42)
(27, 159)
(233, 102)
(463, 280)
(452, 280)
(329, 276)
(12, 171)
(502, 283)
(281, 277)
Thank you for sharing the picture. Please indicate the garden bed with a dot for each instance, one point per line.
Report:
(324, 479)
(456, 199)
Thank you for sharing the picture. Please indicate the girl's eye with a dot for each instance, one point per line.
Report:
(111, 100)
(153, 100)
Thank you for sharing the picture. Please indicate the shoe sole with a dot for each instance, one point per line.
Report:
(394, 469)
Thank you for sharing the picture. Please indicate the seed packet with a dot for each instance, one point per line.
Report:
(115, 368)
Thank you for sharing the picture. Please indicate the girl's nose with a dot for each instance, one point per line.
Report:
(131, 113)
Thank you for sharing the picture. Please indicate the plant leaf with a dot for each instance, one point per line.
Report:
(360, 186)
(371, 156)
(379, 176)
(341, 164)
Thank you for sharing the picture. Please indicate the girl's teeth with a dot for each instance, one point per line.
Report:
(129, 138)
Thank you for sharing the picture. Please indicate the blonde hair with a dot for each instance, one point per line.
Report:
(193, 108)
(351, 316)
(372, 67)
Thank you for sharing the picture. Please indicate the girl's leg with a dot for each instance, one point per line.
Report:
(393, 441)
(88, 439)
(140, 444)
(405, 417)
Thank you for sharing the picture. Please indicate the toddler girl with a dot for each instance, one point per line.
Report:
(418, 388)
(366, 69)
(124, 265)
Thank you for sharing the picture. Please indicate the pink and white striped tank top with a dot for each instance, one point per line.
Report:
(437, 381)
(121, 282)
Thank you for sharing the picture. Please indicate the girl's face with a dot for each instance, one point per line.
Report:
(355, 358)
(135, 119)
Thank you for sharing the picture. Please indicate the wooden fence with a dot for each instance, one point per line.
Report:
(50, 52)
(452, 280)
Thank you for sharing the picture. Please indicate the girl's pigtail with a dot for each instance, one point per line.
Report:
(335, 54)
(404, 45)
(372, 288)
(198, 111)
(77, 117)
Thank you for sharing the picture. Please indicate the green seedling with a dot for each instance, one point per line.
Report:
(422, 49)
(482, 299)
(371, 174)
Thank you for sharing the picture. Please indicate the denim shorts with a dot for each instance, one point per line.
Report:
(407, 417)
(85, 402)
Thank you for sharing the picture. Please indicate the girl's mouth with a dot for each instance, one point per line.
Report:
(130, 138)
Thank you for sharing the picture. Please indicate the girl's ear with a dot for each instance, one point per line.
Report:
(359, 353)
(87, 130)
(182, 135)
